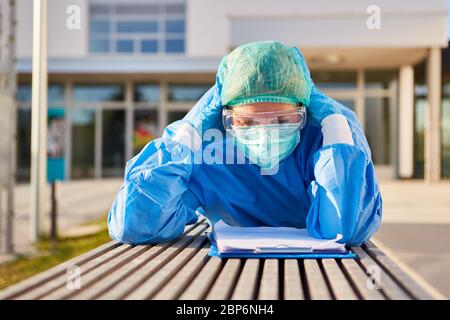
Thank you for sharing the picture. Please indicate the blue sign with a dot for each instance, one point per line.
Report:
(55, 145)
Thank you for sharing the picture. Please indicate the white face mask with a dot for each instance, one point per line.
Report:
(267, 145)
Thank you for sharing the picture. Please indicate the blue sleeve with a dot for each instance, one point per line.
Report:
(344, 192)
(153, 204)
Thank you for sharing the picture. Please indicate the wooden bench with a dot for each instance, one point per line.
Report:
(183, 270)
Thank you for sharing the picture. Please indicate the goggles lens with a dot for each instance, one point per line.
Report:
(232, 119)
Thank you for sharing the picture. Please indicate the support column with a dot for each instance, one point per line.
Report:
(38, 120)
(163, 109)
(360, 98)
(406, 122)
(129, 120)
(433, 117)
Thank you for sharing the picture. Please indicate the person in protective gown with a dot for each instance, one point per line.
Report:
(275, 165)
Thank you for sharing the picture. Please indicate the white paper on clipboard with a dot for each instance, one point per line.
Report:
(271, 240)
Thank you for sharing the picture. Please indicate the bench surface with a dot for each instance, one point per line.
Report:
(183, 270)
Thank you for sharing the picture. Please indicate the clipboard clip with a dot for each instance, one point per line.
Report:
(282, 248)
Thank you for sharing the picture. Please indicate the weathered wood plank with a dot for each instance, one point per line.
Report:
(165, 252)
(121, 274)
(42, 281)
(174, 288)
(156, 281)
(293, 289)
(91, 279)
(223, 286)
(406, 281)
(317, 286)
(84, 269)
(247, 283)
(198, 288)
(113, 279)
(16, 290)
(269, 288)
(339, 284)
(386, 283)
(360, 279)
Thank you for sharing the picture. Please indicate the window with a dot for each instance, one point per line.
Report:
(146, 93)
(83, 143)
(124, 46)
(380, 79)
(151, 28)
(113, 142)
(176, 115)
(97, 93)
(55, 93)
(330, 80)
(445, 121)
(174, 45)
(187, 92)
(145, 128)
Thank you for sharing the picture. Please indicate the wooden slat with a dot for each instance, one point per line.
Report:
(199, 287)
(269, 288)
(223, 286)
(113, 279)
(186, 275)
(360, 278)
(245, 288)
(339, 284)
(293, 289)
(317, 286)
(152, 284)
(53, 275)
(387, 284)
(90, 280)
(61, 281)
(29, 284)
(165, 253)
(121, 274)
(407, 282)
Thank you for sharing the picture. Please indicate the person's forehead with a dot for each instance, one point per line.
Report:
(264, 107)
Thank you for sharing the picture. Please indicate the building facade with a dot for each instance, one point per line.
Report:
(120, 71)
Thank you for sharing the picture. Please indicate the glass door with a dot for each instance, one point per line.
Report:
(113, 142)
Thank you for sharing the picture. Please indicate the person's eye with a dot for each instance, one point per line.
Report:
(247, 121)
(284, 119)
(243, 121)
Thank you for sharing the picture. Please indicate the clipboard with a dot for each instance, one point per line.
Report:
(279, 252)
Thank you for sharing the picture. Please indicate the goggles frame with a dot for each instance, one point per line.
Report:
(228, 114)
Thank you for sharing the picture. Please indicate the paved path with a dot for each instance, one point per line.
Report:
(416, 227)
(79, 201)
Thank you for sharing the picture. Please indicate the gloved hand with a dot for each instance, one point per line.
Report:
(207, 112)
(320, 106)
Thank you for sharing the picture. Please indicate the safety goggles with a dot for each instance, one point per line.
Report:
(232, 119)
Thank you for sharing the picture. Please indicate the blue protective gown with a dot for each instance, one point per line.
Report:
(327, 189)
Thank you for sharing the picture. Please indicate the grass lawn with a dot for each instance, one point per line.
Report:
(65, 249)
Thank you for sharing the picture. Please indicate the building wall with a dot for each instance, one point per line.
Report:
(62, 41)
(214, 26)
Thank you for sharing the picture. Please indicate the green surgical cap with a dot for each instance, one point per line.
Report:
(264, 71)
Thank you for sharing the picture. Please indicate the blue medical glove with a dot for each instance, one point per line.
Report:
(320, 106)
(207, 112)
